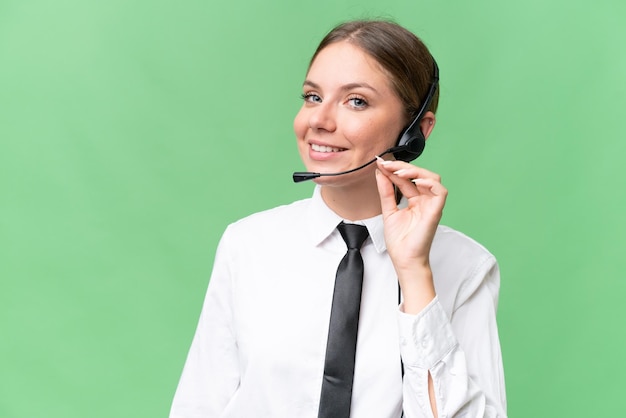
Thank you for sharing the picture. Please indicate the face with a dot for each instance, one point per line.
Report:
(350, 114)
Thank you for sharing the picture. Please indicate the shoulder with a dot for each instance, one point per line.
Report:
(460, 266)
(449, 243)
(270, 225)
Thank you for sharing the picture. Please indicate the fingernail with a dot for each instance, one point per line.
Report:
(402, 170)
(383, 162)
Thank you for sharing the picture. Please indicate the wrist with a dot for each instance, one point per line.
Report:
(417, 288)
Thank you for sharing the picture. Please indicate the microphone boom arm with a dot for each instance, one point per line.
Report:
(300, 176)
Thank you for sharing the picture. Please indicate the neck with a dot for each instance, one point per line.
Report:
(353, 202)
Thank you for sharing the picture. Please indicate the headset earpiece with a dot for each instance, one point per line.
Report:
(412, 141)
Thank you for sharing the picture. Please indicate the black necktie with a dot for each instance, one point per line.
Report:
(344, 322)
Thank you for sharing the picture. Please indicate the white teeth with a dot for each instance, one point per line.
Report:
(324, 148)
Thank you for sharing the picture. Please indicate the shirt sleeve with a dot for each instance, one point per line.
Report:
(462, 354)
(210, 376)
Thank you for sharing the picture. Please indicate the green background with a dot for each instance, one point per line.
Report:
(133, 132)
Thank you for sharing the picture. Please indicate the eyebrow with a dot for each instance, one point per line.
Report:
(345, 87)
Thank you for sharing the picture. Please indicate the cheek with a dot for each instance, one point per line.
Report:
(300, 124)
(356, 129)
(389, 131)
(371, 133)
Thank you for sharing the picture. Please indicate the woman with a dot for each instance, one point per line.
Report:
(263, 339)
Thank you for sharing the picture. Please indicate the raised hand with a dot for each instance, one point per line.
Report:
(409, 231)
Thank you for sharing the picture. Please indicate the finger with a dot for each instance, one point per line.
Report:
(431, 187)
(385, 165)
(386, 193)
(409, 171)
(404, 176)
(404, 184)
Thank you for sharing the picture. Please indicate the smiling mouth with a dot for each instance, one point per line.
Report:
(324, 148)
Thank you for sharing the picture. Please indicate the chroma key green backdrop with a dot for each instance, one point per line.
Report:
(133, 132)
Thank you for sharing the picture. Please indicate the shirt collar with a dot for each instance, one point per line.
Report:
(323, 222)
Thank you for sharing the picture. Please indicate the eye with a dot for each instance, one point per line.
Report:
(311, 98)
(357, 102)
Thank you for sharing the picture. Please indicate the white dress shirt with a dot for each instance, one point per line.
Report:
(260, 344)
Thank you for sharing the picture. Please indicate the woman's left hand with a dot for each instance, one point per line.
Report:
(409, 231)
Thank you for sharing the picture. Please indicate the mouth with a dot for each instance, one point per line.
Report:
(325, 148)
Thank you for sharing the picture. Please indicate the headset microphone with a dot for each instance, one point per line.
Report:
(307, 175)
(409, 146)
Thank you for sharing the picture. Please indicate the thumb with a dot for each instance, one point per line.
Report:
(386, 193)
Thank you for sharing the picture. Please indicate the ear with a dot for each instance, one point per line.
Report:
(428, 123)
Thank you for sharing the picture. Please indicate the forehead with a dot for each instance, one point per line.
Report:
(343, 63)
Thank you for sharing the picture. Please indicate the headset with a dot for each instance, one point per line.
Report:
(411, 142)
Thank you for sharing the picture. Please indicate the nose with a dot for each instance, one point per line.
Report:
(323, 117)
